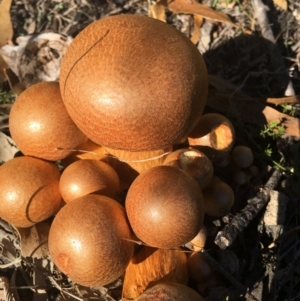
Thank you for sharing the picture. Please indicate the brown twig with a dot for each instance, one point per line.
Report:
(241, 220)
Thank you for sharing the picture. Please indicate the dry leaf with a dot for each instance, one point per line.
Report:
(6, 30)
(150, 265)
(4, 288)
(6, 33)
(281, 3)
(284, 100)
(291, 124)
(36, 58)
(198, 21)
(157, 11)
(34, 248)
(15, 85)
(34, 240)
(5, 292)
(9, 252)
(253, 111)
(9, 245)
(195, 8)
(7, 148)
(3, 66)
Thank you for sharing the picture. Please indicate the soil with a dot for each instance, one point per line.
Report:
(241, 62)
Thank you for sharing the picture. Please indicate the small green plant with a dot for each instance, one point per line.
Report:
(39, 16)
(274, 130)
(289, 109)
(268, 151)
(264, 143)
(6, 96)
(214, 4)
(59, 6)
(288, 42)
(49, 18)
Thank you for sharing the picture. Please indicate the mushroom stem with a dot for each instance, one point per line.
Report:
(219, 138)
(214, 135)
(127, 164)
(151, 265)
(194, 162)
(140, 161)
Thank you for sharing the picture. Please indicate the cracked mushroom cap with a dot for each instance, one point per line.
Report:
(133, 83)
(29, 191)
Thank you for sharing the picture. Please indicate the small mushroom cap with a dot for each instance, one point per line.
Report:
(198, 242)
(199, 269)
(214, 135)
(40, 124)
(218, 198)
(140, 88)
(196, 163)
(240, 177)
(88, 176)
(164, 206)
(242, 155)
(29, 191)
(89, 240)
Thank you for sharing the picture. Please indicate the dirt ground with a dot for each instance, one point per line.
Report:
(253, 61)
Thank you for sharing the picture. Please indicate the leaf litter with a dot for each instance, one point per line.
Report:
(240, 85)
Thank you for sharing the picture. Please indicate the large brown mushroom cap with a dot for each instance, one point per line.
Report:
(89, 240)
(133, 83)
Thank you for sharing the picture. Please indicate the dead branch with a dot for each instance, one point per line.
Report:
(241, 220)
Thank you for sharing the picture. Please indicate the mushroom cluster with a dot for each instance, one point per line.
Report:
(130, 100)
